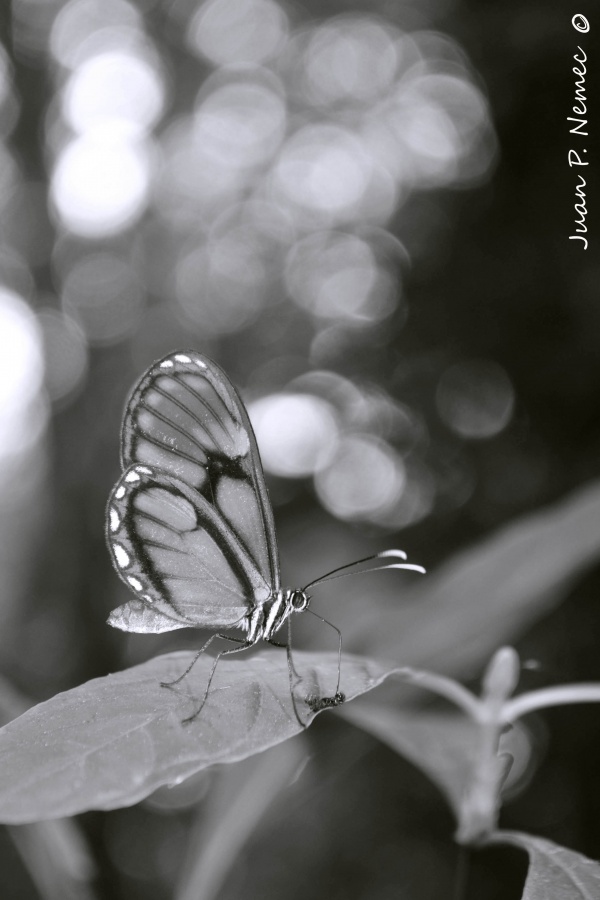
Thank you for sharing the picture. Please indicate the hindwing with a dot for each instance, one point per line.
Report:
(177, 553)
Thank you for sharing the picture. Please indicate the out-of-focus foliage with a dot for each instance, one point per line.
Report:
(570, 874)
(361, 211)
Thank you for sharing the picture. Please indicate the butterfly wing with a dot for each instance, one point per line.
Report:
(173, 548)
(185, 418)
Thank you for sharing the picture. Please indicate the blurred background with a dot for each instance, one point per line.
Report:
(361, 211)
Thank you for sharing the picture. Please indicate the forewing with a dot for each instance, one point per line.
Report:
(186, 418)
(177, 553)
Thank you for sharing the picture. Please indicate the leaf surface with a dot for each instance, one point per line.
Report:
(112, 741)
(238, 801)
(442, 744)
(453, 618)
(555, 873)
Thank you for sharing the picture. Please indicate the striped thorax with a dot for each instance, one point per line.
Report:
(266, 619)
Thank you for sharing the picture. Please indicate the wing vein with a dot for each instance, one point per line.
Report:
(166, 421)
(148, 542)
(186, 409)
(205, 403)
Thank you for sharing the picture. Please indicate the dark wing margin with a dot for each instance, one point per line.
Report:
(172, 548)
(186, 418)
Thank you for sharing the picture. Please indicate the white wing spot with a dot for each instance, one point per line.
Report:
(132, 476)
(182, 358)
(121, 556)
(115, 519)
(120, 492)
(166, 364)
(144, 470)
(147, 598)
(200, 364)
(135, 583)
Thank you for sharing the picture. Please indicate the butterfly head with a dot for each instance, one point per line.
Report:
(298, 600)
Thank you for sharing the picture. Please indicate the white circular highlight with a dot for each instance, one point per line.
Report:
(100, 184)
(297, 433)
(114, 88)
(228, 32)
(365, 480)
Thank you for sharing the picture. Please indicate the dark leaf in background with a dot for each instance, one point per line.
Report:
(456, 616)
(555, 873)
(238, 802)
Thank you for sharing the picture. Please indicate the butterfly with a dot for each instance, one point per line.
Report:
(190, 526)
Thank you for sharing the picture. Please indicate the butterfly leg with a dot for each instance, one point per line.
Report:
(333, 701)
(244, 645)
(294, 677)
(288, 649)
(195, 660)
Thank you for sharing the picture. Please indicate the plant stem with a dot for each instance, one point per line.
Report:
(445, 687)
(553, 696)
(461, 877)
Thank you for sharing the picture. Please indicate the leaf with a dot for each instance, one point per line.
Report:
(114, 740)
(236, 804)
(555, 873)
(57, 858)
(487, 595)
(443, 745)
(56, 854)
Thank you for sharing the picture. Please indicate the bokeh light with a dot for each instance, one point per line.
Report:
(65, 354)
(334, 275)
(84, 28)
(226, 32)
(103, 294)
(117, 90)
(221, 287)
(475, 399)
(9, 174)
(100, 184)
(241, 123)
(22, 416)
(297, 433)
(9, 105)
(365, 481)
(350, 60)
(324, 171)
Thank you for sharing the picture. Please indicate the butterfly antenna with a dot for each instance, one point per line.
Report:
(397, 553)
(344, 571)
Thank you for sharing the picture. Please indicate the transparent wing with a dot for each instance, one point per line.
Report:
(186, 418)
(177, 553)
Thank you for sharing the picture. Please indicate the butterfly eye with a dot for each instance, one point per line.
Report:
(299, 601)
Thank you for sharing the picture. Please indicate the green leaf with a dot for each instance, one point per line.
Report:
(114, 740)
(555, 873)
